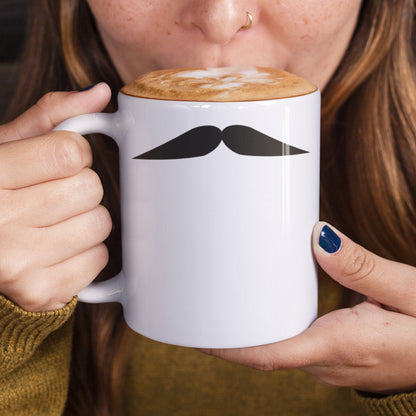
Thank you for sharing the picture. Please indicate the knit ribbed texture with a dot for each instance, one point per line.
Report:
(21, 332)
(35, 353)
(395, 405)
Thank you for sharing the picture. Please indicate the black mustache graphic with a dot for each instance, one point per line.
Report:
(203, 140)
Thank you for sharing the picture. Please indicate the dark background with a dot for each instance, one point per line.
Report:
(12, 33)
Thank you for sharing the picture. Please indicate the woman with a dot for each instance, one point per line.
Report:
(361, 55)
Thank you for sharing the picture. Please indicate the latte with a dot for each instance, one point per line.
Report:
(225, 84)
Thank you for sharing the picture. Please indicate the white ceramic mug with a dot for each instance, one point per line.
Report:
(216, 247)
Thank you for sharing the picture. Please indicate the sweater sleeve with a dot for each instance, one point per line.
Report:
(403, 404)
(35, 353)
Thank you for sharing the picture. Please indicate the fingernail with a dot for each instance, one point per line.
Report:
(328, 240)
(88, 88)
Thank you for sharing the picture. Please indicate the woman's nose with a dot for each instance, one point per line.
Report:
(218, 20)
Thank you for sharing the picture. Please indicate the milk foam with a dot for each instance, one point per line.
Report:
(219, 84)
(221, 79)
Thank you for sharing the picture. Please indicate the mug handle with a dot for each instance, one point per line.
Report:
(109, 290)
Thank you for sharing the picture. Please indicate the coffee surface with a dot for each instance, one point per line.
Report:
(219, 84)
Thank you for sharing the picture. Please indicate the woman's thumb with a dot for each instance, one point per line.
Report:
(388, 282)
(52, 109)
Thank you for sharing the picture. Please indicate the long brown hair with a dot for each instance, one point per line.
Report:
(368, 152)
(64, 52)
(369, 133)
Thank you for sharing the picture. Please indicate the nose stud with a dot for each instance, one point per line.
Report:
(249, 22)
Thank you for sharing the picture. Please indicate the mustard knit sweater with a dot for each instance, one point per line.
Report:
(161, 379)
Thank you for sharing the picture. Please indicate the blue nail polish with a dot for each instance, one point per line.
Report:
(88, 88)
(328, 240)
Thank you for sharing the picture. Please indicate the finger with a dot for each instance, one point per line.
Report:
(306, 349)
(52, 109)
(51, 288)
(71, 237)
(53, 156)
(52, 202)
(78, 272)
(390, 283)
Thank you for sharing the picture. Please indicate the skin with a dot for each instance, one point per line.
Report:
(51, 233)
(51, 222)
(141, 36)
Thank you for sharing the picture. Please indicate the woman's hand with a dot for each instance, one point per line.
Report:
(51, 222)
(371, 346)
